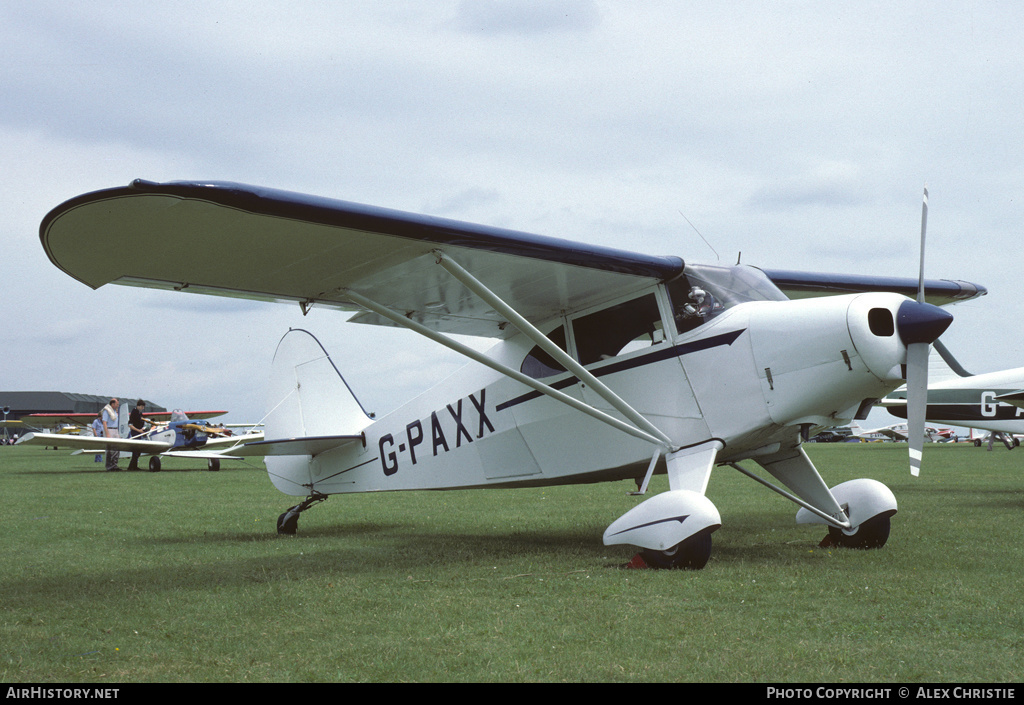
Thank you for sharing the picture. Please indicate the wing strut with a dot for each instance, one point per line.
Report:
(531, 332)
(658, 439)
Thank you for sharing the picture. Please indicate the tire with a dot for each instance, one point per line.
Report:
(288, 523)
(871, 534)
(691, 554)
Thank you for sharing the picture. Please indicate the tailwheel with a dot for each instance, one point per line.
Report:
(872, 533)
(690, 554)
(288, 522)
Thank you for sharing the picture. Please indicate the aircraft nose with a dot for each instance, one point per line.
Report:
(921, 322)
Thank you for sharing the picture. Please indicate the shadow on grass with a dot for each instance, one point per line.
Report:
(122, 471)
(387, 553)
(338, 531)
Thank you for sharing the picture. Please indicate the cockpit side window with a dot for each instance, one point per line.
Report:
(539, 363)
(617, 330)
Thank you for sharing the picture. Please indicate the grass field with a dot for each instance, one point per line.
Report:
(180, 576)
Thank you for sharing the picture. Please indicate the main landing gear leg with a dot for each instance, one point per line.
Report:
(866, 505)
(288, 523)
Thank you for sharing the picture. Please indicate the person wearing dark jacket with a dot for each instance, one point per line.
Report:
(136, 427)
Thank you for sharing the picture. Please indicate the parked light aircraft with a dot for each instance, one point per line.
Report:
(993, 401)
(179, 436)
(899, 432)
(609, 364)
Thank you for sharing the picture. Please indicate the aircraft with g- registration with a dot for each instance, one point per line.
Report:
(609, 365)
(993, 401)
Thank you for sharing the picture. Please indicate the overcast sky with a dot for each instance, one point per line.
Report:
(798, 133)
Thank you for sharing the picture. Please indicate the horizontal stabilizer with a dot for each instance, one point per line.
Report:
(311, 445)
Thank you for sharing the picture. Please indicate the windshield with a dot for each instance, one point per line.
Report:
(734, 285)
(704, 291)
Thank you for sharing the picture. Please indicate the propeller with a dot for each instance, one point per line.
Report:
(919, 325)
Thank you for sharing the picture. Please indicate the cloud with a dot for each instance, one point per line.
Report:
(799, 134)
(526, 18)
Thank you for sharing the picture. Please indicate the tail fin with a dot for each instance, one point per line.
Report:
(308, 396)
(312, 410)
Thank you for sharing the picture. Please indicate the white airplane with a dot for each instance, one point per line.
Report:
(609, 364)
(992, 402)
(899, 432)
(177, 435)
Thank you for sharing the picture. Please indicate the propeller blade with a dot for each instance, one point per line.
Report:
(917, 401)
(918, 335)
(924, 228)
(919, 326)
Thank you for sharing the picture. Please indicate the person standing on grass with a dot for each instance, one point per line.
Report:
(136, 427)
(109, 416)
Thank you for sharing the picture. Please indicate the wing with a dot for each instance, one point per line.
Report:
(165, 416)
(84, 419)
(800, 285)
(52, 419)
(893, 433)
(250, 242)
(97, 443)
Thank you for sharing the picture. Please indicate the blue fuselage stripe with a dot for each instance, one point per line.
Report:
(639, 361)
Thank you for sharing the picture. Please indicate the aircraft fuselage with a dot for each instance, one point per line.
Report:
(751, 377)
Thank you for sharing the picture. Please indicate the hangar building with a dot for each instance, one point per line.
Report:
(19, 404)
